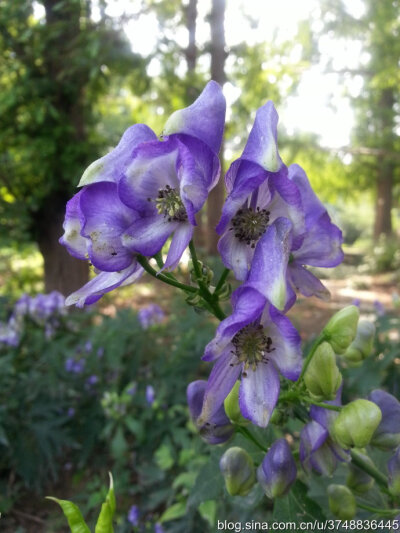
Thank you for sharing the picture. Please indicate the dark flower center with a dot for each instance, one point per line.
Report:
(251, 346)
(249, 224)
(170, 205)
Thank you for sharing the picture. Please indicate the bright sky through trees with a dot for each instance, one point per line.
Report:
(321, 105)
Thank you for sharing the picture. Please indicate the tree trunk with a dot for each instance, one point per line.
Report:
(386, 166)
(218, 56)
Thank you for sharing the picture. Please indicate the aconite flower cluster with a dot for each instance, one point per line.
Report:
(136, 211)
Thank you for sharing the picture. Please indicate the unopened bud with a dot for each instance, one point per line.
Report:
(362, 345)
(322, 377)
(278, 471)
(237, 467)
(232, 408)
(358, 480)
(341, 502)
(387, 434)
(394, 473)
(341, 329)
(356, 423)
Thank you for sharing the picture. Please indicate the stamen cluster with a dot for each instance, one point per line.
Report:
(251, 346)
(170, 205)
(249, 224)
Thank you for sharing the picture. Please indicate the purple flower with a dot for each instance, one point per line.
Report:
(94, 222)
(21, 307)
(393, 466)
(88, 346)
(259, 191)
(278, 471)
(168, 181)
(44, 306)
(218, 428)
(150, 315)
(158, 528)
(92, 380)
(9, 334)
(134, 515)
(258, 342)
(70, 412)
(387, 434)
(317, 450)
(379, 308)
(100, 352)
(131, 390)
(74, 366)
(150, 394)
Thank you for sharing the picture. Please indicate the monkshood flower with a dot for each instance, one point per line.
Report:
(218, 428)
(168, 181)
(21, 307)
(150, 315)
(9, 334)
(43, 306)
(94, 222)
(134, 515)
(387, 434)
(258, 342)
(150, 394)
(158, 528)
(278, 471)
(259, 191)
(317, 450)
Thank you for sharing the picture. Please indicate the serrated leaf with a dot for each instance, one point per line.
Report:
(175, 511)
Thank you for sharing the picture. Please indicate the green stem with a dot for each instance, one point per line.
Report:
(221, 280)
(150, 270)
(360, 462)
(160, 263)
(324, 405)
(307, 360)
(203, 289)
(249, 436)
(382, 512)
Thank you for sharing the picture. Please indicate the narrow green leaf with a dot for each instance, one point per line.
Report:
(104, 522)
(72, 513)
(172, 513)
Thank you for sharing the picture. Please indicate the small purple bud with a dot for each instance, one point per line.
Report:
(131, 390)
(69, 364)
(92, 380)
(88, 346)
(150, 394)
(356, 302)
(394, 473)
(237, 467)
(218, 428)
(278, 471)
(78, 366)
(158, 528)
(387, 434)
(70, 412)
(133, 515)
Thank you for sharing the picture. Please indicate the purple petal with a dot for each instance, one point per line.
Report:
(102, 283)
(286, 342)
(236, 255)
(248, 306)
(313, 207)
(323, 460)
(152, 169)
(148, 235)
(321, 245)
(111, 166)
(268, 269)
(220, 383)
(387, 434)
(307, 283)
(179, 243)
(204, 119)
(312, 437)
(326, 417)
(258, 393)
(72, 239)
(106, 218)
(262, 145)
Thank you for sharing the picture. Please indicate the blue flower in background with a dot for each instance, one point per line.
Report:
(150, 315)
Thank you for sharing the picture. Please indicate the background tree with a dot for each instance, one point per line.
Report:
(54, 71)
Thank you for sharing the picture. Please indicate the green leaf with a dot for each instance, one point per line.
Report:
(72, 513)
(208, 511)
(104, 522)
(164, 457)
(186, 479)
(118, 444)
(297, 506)
(172, 513)
(209, 484)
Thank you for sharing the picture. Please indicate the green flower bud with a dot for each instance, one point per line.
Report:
(232, 409)
(341, 329)
(362, 345)
(356, 424)
(358, 480)
(341, 502)
(238, 470)
(322, 377)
